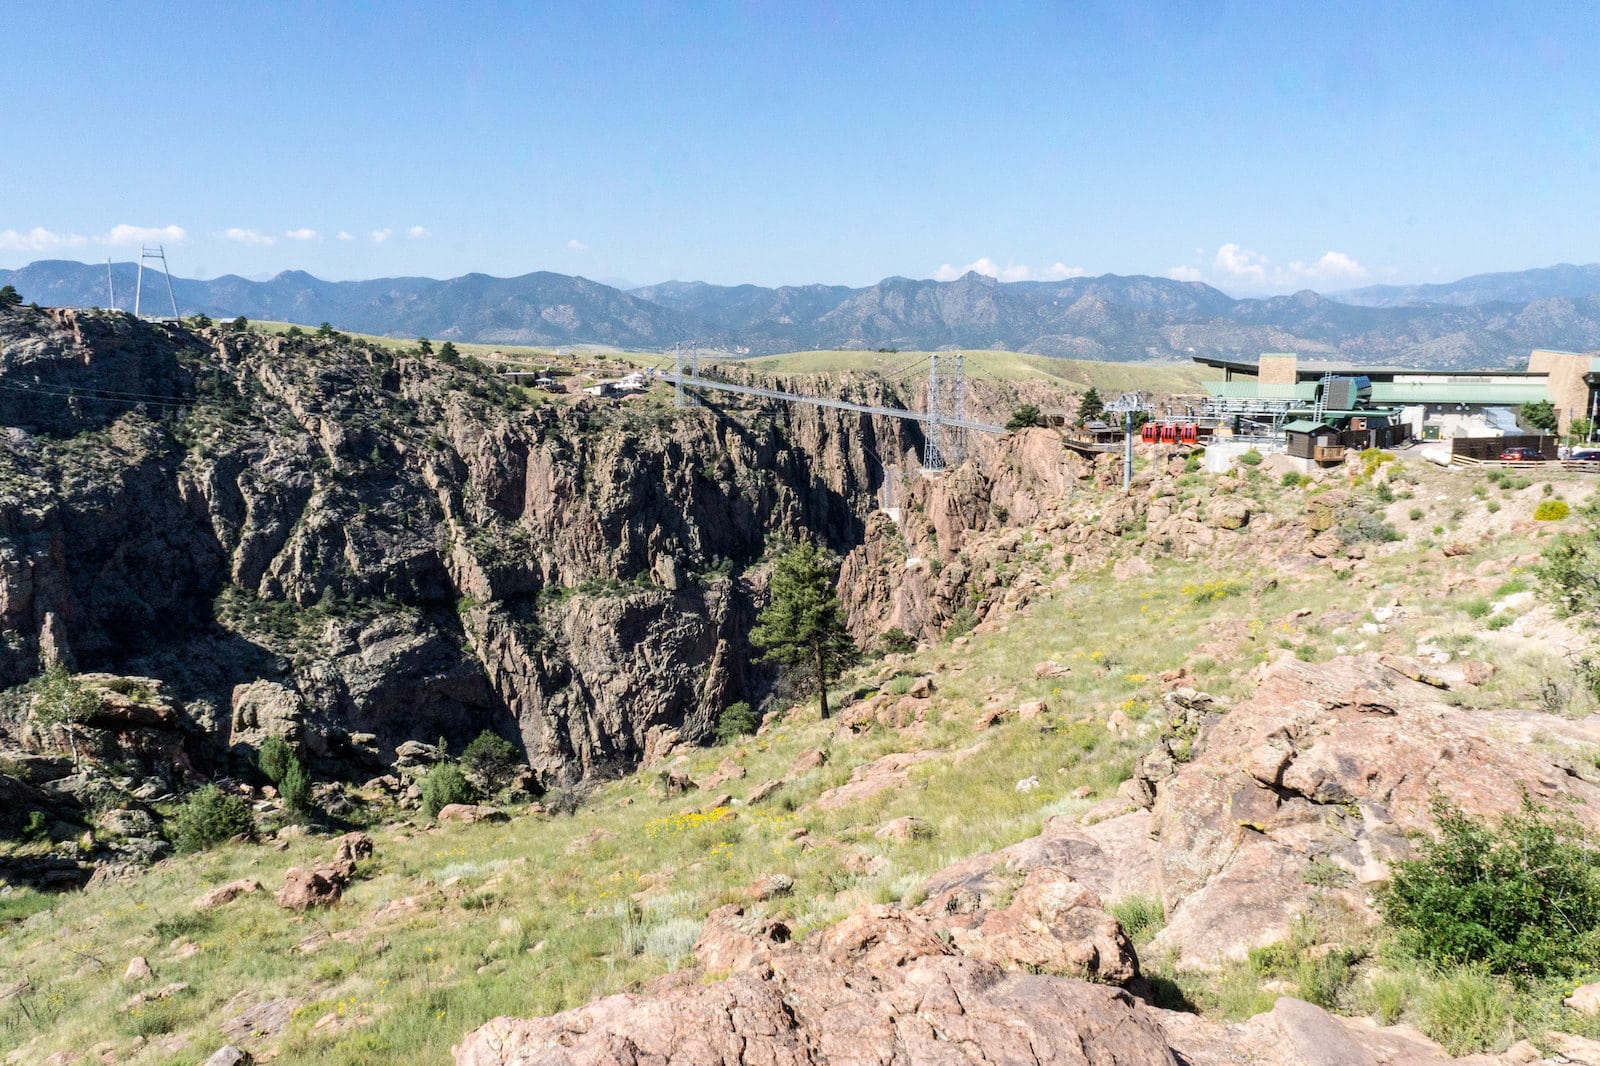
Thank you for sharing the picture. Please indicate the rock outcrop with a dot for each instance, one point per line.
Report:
(313, 538)
(1336, 764)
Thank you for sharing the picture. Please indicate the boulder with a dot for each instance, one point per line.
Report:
(1053, 924)
(228, 1055)
(225, 894)
(1585, 999)
(304, 889)
(732, 940)
(138, 969)
(870, 779)
(353, 847)
(808, 760)
(904, 830)
(880, 987)
(469, 813)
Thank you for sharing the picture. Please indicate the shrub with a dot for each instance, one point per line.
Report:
(737, 720)
(896, 641)
(1251, 458)
(1141, 917)
(1551, 511)
(1415, 514)
(1523, 898)
(1023, 417)
(964, 621)
(295, 788)
(444, 785)
(1292, 480)
(492, 759)
(1384, 492)
(210, 817)
(274, 757)
(1570, 572)
(1367, 527)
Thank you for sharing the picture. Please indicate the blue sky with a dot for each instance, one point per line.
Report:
(1259, 147)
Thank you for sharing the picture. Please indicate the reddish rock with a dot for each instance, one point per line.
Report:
(732, 940)
(224, 894)
(878, 988)
(352, 848)
(904, 830)
(304, 889)
(468, 813)
(726, 771)
(871, 778)
(808, 760)
(1333, 762)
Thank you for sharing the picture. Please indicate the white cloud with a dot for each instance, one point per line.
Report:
(418, 231)
(247, 236)
(381, 235)
(343, 235)
(304, 233)
(39, 239)
(576, 245)
(1009, 272)
(1333, 266)
(125, 234)
(1241, 264)
(1254, 270)
(1185, 273)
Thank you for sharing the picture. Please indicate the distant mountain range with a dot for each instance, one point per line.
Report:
(1488, 320)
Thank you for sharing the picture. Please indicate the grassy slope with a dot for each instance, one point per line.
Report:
(1108, 378)
(541, 914)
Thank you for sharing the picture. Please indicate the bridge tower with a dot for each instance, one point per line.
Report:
(945, 437)
(158, 253)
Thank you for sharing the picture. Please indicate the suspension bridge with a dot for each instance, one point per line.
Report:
(944, 422)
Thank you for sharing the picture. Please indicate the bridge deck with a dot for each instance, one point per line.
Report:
(839, 405)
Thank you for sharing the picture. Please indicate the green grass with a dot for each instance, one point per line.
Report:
(539, 914)
(1108, 378)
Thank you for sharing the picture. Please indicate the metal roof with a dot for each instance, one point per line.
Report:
(1474, 392)
(1304, 425)
(1254, 390)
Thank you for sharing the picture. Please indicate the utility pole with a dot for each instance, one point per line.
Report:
(111, 290)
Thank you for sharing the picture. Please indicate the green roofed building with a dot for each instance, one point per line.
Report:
(1434, 403)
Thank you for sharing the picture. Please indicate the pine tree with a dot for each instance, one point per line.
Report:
(1091, 407)
(803, 625)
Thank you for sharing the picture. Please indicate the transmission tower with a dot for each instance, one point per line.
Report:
(159, 252)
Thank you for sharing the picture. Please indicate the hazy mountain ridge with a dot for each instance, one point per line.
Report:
(1489, 320)
(1521, 286)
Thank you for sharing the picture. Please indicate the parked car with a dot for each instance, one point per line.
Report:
(1586, 455)
(1522, 455)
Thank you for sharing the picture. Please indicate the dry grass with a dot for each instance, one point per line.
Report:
(545, 913)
